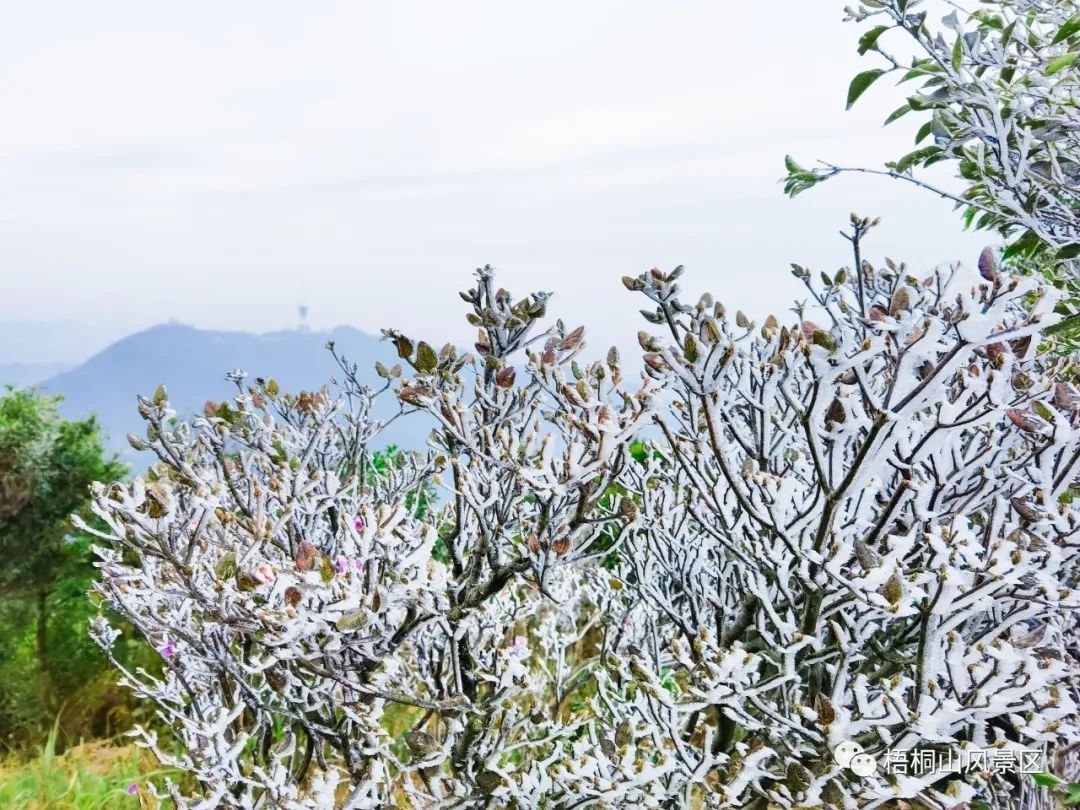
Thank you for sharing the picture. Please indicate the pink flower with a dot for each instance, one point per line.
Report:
(342, 565)
(166, 650)
(358, 564)
(358, 524)
(264, 573)
(520, 646)
(133, 788)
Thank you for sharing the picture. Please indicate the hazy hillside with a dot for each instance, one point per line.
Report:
(193, 362)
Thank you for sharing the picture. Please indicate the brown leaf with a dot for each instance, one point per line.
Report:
(572, 340)
(413, 394)
(988, 264)
(1020, 346)
(504, 377)
(1027, 512)
(1066, 397)
(901, 300)
(995, 352)
(1023, 420)
(836, 412)
(305, 556)
(824, 708)
(561, 546)
(655, 362)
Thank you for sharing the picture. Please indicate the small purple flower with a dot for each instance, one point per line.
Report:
(358, 565)
(358, 524)
(342, 565)
(167, 649)
(133, 788)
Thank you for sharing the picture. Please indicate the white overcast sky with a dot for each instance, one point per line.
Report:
(223, 162)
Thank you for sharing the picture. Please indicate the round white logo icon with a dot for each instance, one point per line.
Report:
(849, 754)
(845, 751)
(863, 764)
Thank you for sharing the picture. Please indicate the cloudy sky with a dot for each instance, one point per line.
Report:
(221, 163)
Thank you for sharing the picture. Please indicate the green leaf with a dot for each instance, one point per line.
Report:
(958, 53)
(921, 68)
(1072, 793)
(1067, 30)
(1045, 780)
(870, 38)
(1069, 251)
(913, 158)
(861, 83)
(990, 20)
(1026, 245)
(352, 620)
(924, 131)
(899, 112)
(326, 568)
(426, 359)
(226, 566)
(1062, 62)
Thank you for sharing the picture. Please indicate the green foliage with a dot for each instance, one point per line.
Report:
(419, 501)
(94, 776)
(48, 666)
(46, 467)
(996, 90)
(861, 83)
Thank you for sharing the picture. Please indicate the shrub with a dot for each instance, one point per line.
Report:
(858, 529)
(295, 595)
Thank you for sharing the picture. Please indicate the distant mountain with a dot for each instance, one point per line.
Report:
(192, 364)
(22, 375)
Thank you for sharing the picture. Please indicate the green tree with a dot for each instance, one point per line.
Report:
(993, 92)
(47, 464)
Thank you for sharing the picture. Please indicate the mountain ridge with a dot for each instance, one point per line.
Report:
(192, 364)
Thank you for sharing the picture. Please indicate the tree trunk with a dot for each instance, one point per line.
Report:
(42, 628)
(43, 644)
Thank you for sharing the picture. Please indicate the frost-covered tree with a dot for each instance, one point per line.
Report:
(327, 643)
(857, 526)
(997, 95)
(852, 527)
